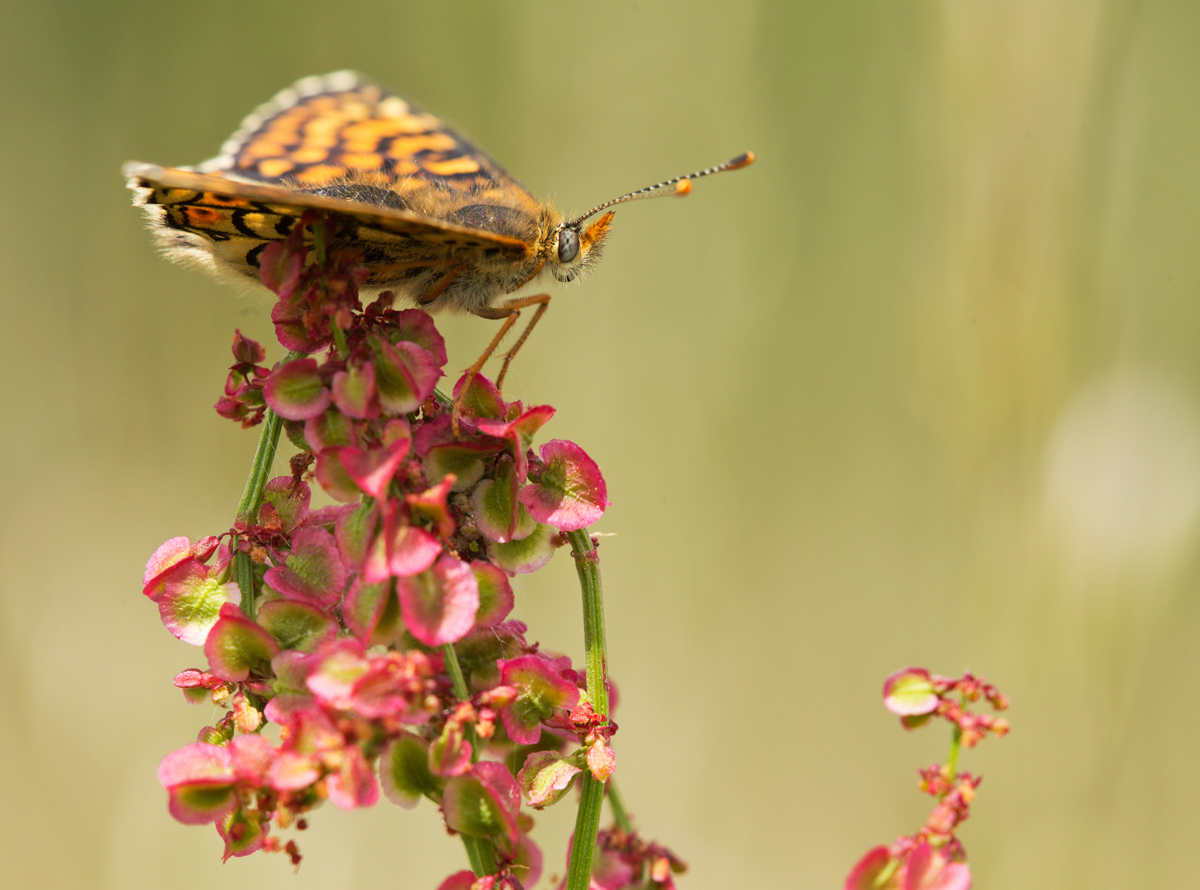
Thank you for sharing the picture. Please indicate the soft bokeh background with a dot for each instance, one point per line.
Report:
(922, 386)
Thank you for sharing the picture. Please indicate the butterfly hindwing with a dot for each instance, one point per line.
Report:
(197, 213)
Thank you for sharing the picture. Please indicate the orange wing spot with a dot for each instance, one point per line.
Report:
(321, 174)
(365, 135)
(355, 110)
(283, 129)
(214, 200)
(323, 131)
(452, 166)
(361, 161)
(202, 217)
(260, 148)
(273, 168)
(310, 154)
(408, 146)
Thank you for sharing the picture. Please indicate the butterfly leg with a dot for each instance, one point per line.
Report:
(510, 312)
(439, 286)
(543, 303)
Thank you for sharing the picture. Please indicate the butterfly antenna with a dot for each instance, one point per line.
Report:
(680, 185)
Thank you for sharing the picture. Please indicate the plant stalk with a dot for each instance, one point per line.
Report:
(587, 821)
(247, 511)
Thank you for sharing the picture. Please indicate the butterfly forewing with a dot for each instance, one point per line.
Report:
(343, 127)
(410, 195)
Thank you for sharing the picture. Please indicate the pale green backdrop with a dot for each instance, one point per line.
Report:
(921, 386)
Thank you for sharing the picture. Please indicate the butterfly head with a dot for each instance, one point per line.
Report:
(573, 247)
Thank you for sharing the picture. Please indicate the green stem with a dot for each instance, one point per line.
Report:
(952, 757)
(587, 565)
(339, 339)
(480, 852)
(587, 821)
(955, 746)
(617, 805)
(247, 511)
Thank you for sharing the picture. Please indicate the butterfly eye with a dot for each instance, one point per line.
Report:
(568, 245)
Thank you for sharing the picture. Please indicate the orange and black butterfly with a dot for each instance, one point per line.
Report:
(428, 214)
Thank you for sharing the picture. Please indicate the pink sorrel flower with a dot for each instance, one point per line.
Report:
(374, 633)
(933, 858)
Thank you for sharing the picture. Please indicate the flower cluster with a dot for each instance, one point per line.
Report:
(367, 645)
(933, 858)
(625, 860)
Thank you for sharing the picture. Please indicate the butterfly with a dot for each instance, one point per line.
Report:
(416, 203)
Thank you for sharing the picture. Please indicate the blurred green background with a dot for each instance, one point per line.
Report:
(920, 387)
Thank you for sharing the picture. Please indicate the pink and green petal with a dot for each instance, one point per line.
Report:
(353, 785)
(297, 625)
(910, 692)
(928, 869)
(292, 771)
(545, 778)
(372, 471)
(543, 691)
(417, 327)
(404, 771)
(394, 430)
(292, 331)
(495, 507)
(570, 493)
(295, 391)
(482, 399)
(169, 554)
(431, 504)
(518, 433)
(236, 646)
(191, 602)
(252, 756)
(332, 429)
(243, 834)
(450, 753)
(411, 550)
(279, 268)
(867, 870)
(405, 375)
(354, 391)
(335, 672)
(483, 803)
(495, 594)
(526, 555)
(372, 612)
(462, 460)
(334, 479)
(356, 525)
(439, 605)
(199, 779)
(313, 571)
